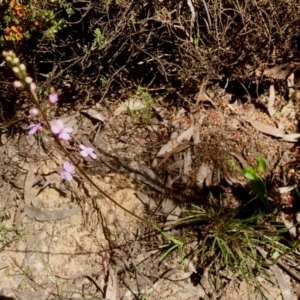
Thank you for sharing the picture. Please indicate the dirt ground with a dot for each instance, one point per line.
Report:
(64, 240)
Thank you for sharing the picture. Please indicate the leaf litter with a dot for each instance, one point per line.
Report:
(196, 152)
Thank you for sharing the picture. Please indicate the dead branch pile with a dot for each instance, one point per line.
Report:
(116, 45)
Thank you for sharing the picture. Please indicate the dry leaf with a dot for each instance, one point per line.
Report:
(289, 226)
(135, 166)
(240, 159)
(94, 114)
(293, 137)
(232, 181)
(167, 206)
(288, 111)
(264, 128)
(49, 215)
(203, 171)
(30, 139)
(172, 217)
(281, 71)
(111, 286)
(286, 189)
(271, 101)
(186, 135)
(280, 277)
(291, 84)
(149, 201)
(69, 121)
(171, 180)
(37, 295)
(131, 104)
(187, 167)
(196, 134)
(171, 145)
(30, 178)
(175, 165)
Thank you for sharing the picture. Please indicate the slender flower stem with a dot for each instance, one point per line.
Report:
(30, 87)
(79, 168)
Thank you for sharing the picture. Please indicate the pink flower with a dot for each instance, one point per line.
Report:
(32, 87)
(33, 112)
(87, 151)
(53, 98)
(33, 128)
(68, 169)
(62, 131)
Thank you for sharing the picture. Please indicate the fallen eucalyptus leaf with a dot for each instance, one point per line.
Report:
(203, 172)
(175, 165)
(280, 277)
(187, 167)
(171, 145)
(196, 134)
(170, 181)
(167, 206)
(49, 215)
(232, 181)
(240, 159)
(37, 295)
(281, 71)
(293, 137)
(289, 226)
(30, 179)
(149, 201)
(186, 135)
(264, 128)
(94, 114)
(286, 189)
(271, 101)
(111, 285)
(130, 104)
(135, 166)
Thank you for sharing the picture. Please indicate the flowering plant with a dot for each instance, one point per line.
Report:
(22, 18)
(59, 130)
(60, 133)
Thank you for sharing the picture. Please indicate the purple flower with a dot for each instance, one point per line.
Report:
(68, 169)
(53, 98)
(62, 131)
(87, 151)
(33, 128)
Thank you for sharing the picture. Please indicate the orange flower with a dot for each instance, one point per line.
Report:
(37, 23)
(12, 3)
(18, 8)
(7, 33)
(19, 36)
(17, 29)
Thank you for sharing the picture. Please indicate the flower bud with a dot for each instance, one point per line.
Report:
(15, 61)
(53, 98)
(16, 70)
(28, 79)
(22, 67)
(33, 112)
(32, 86)
(17, 84)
